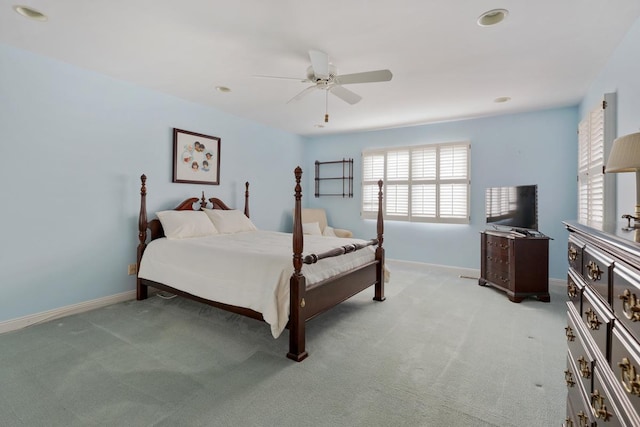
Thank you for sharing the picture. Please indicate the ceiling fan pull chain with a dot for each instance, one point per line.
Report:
(326, 114)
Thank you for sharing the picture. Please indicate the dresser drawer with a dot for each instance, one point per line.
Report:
(596, 271)
(499, 244)
(580, 350)
(578, 413)
(597, 320)
(626, 297)
(575, 287)
(578, 408)
(574, 253)
(625, 364)
(608, 405)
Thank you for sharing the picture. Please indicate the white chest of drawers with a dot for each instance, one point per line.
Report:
(603, 328)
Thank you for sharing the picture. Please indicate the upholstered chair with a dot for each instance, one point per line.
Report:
(314, 221)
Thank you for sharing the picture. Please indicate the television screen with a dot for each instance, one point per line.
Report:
(515, 207)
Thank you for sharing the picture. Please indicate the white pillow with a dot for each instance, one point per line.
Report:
(185, 224)
(312, 228)
(328, 231)
(229, 221)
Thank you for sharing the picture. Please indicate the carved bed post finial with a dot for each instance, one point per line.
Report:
(246, 199)
(203, 201)
(297, 224)
(141, 291)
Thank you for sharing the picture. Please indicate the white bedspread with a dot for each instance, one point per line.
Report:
(248, 269)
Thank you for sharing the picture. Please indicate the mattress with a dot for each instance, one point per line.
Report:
(248, 269)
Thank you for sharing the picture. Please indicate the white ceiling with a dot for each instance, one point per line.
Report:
(445, 66)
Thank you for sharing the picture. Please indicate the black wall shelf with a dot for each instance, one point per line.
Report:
(337, 180)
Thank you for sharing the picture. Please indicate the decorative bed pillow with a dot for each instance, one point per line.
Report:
(186, 224)
(312, 228)
(229, 221)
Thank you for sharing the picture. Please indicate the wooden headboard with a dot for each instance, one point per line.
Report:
(155, 227)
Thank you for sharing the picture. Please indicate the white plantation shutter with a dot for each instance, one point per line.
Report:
(372, 171)
(428, 183)
(595, 192)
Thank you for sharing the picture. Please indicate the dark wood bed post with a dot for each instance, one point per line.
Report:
(141, 290)
(297, 283)
(379, 289)
(246, 199)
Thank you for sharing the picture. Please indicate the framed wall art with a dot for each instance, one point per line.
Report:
(196, 158)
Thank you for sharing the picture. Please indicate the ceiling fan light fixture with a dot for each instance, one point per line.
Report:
(492, 17)
(30, 13)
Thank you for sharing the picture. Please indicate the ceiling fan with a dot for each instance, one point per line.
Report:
(324, 76)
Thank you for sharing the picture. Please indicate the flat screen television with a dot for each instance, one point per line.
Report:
(514, 207)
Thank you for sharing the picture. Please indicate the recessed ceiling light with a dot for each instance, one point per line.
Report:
(31, 13)
(492, 17)
(223, 89)
(502, 99)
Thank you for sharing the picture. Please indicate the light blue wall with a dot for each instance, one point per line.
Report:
(622, 76)
(530, 148)
(73, 145)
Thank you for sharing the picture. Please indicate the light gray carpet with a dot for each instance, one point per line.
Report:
(441, 351)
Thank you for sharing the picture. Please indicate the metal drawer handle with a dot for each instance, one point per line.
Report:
(585, 371)
(594, 272)
(503, 246)
(569, 333)
(630, 305)
(630, 379)
(599, 408)
(592, 320)
(572, 289)
(573, 254)
(584, 419)
(568, 378)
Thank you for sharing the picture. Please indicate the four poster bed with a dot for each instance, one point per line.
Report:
(248, 271)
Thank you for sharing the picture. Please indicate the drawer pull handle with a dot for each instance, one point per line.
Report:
(573, 254)
(630, 379)
(585, 371)
(583, 419)
(569, 333)
(594, 272)
(599, 408)
(592, 320)
(572, 289)
(568, 378)
(630, 305)
(503, 246)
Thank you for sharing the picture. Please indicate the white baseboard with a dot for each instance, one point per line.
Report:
(45, 316)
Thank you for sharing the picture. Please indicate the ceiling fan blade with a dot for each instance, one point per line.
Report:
(320, 63)
(366, 77)
(345, 94)
(281, 78)
(302, 94)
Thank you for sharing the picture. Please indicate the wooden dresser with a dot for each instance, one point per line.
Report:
(515, 264)
(603, 327)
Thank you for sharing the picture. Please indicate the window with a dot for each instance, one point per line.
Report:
(426, 183)
(595, 189)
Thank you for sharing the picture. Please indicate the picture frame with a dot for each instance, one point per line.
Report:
(196, 158)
